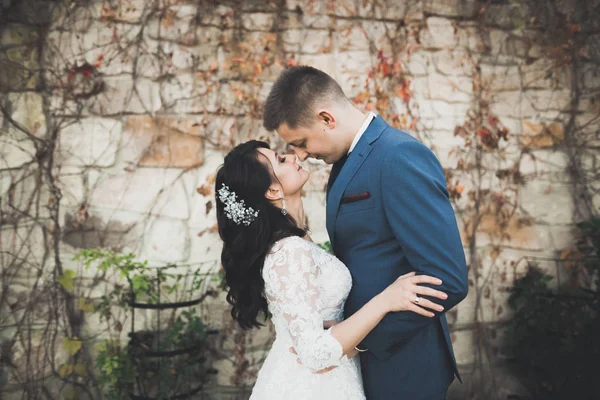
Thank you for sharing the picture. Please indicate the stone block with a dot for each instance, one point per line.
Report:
(463, 342)
(550, 203)
(445, 145)
(314, 206)
(449, 88)
(497, 78)
(503, 15)
(468, 36)
(27, 110)
(111, 43)
(16, 150)
(544, 74)
(89, 142)
(445, 109)
(312, 21)
(176, 25)
(541, 135)
(419, 63)
(122, 95)
(70, 182)
(184, 87)
(119, 231)
(17, 34)
(391, 10)
(452, 62)
(440, 33)
(205, 248)
(357, 63)
(523, 46)
(166, 142)
(19, 243)
(128, 11)
(324, 62)
(27, 197)
(590, 76)
(510, 104)
(145, 190)
(188, 95)
(366, 35)
(319, 175)
(548, 100)
(258, 21)
(214, 37)
(160, 58)
(525, 232)
(217, 14)
(166, 241)
(451, 8)
(308, 41)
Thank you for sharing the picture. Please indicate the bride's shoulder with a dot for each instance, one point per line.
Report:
(289, 244)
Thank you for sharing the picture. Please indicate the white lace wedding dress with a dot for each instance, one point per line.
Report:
(305, 286)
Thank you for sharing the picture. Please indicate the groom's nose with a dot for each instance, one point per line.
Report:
(302, 154)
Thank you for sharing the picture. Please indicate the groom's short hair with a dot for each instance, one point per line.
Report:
(294, 95)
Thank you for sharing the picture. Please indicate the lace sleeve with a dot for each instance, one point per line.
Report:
(291, 282)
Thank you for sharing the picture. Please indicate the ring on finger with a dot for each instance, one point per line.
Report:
(417, 298)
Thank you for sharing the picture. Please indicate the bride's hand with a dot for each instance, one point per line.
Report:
(405, 295)
(322, 371)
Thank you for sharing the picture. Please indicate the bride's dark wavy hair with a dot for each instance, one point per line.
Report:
(245, 247)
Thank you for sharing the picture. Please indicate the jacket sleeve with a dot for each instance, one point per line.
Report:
(291, 278)
(418, 209)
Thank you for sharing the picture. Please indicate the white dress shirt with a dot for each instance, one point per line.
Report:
(370, 116)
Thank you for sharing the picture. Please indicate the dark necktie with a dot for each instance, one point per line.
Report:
(335, 171)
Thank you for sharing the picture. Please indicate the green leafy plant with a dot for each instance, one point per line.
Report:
(157, 362)
(554, 337)
(326, 246)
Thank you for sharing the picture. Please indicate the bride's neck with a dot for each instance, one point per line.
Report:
(295, 209)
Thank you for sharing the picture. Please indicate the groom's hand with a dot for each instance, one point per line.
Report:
(322, 371)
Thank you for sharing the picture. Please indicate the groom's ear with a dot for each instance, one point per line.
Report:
(274, 193)
(327, 118)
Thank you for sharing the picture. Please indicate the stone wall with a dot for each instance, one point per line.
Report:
(140, 100)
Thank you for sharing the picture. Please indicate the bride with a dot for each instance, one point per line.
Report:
(272, 266)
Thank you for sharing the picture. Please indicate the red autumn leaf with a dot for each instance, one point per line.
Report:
(574, 28)
(204, 190)
(405, 92)
(483, 132)
(385, 69)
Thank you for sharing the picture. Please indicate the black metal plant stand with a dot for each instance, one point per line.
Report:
(170, 363)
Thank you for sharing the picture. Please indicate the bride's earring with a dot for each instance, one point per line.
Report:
(283, 209)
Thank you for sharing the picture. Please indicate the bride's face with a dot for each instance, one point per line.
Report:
(290, 175)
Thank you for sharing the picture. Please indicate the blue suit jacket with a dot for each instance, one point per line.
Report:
(405, 224)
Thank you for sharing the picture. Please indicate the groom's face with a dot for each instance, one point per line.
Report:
(315, 141)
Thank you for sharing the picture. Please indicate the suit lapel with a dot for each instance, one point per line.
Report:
(355, 160)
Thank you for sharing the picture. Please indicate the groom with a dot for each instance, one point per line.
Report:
(388, 214)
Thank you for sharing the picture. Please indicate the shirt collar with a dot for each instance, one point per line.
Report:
(370, 116)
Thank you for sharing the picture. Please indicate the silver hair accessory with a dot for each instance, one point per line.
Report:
(235, 209)
(283, 209)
